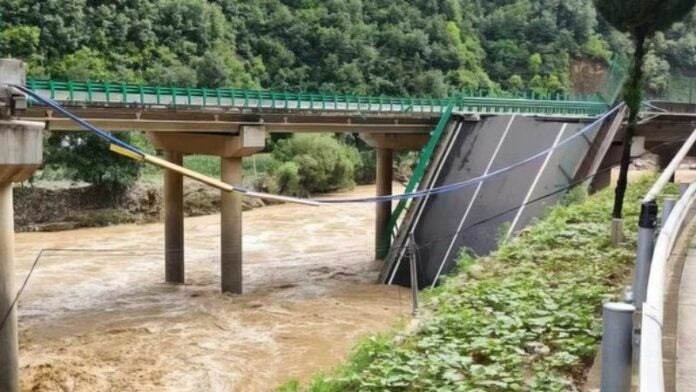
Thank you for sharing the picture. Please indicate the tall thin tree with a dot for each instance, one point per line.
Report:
(641, 19)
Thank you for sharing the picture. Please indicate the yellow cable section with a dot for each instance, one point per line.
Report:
(164, 164)
(173, 167)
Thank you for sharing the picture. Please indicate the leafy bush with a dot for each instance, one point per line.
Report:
(286, 180)
(320, 163)
(366, 173)
(528, 317)
(82, 156)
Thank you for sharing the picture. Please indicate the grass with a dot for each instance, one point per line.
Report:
(526, 318)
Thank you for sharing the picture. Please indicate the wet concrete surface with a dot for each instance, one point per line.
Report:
(101, 318)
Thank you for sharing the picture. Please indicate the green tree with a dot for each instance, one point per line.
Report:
(87, 158)
(20, 41)
(641, 19)
(85, 64)
(321, 162)
(535, 63)
(515, 83)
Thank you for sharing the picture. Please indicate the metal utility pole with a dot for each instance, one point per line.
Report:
(414, 272)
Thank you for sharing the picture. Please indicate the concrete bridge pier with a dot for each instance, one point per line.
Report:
(230, 148)
(20, 155)
(231, 227)
(174, 221)
(385, 144)
(383, 179)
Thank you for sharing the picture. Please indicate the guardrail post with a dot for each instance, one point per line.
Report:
(646, 243)
(617, 347)
(667, 208)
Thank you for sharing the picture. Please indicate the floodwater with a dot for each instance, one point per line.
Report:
(100, 318)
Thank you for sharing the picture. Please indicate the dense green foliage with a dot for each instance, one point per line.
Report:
(527, 317)
(313, 163)
(396, 47)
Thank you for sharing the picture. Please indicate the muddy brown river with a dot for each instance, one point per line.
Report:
(100, 318)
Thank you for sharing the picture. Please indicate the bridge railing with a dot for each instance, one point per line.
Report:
(129, 94)
(423, 161)
(677, 88)
(649, 289)
(613, 81)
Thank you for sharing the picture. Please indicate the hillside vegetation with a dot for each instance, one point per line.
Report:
(394, 47)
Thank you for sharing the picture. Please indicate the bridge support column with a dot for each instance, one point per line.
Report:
(174, 271)
(385, 144)
(231, 228)
(20, 155)
(230, 148)
(384, 178)
(9, 351)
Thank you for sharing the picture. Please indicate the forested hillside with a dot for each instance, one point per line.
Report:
(394, 47)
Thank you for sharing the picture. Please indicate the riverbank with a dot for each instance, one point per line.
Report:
(56, 206)
(527, 317)
(102, 318)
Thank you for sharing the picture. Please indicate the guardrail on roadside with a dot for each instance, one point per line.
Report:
(621, 336)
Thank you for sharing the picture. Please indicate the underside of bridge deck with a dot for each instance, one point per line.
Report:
(208, 120)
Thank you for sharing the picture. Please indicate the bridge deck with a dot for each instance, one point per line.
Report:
(105, 93)
(155, 108)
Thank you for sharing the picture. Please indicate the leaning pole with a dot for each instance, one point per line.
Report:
(20, 156)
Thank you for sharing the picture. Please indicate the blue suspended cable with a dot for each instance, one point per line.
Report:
(56, 106)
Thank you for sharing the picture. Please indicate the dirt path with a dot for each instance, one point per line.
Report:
(91, 320)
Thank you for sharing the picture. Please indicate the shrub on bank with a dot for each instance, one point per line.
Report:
(526, 318)
(299, 165)
(313, 163)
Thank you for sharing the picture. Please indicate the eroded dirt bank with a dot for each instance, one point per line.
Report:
(105, 321)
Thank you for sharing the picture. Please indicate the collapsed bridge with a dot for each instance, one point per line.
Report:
(461, 139)
(485, 163)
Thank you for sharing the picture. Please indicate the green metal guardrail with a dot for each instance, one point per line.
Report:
(613, 81)
(423, 162)
(679, 89)
(479, 102)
